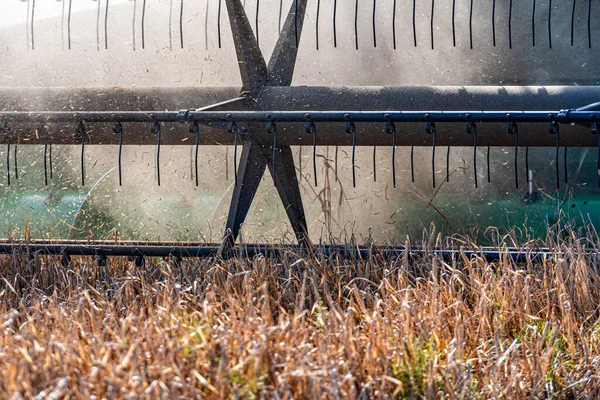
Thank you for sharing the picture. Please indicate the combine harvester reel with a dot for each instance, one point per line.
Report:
(267, 115)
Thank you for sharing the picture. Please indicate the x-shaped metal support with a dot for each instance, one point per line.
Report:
(257, 156)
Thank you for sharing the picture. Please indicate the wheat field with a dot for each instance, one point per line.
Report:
(306, 326)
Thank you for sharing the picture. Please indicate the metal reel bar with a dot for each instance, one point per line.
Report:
(292, 131)
(136, 249)
(573, 115)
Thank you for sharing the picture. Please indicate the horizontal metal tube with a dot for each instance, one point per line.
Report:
(286, 104)
(195, 250)
(562, 116)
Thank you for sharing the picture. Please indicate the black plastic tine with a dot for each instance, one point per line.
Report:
(431, 129)
(573, 23)
(412, 163)
(471, 25)
(533, 23)
(296, 23)
(448, 164)
(513, 129)
(2, 130)
(81, 131)
(181, 24)
(143, 24)
(414, 21)
(494, 22)
(256, 22)
(317, 23)
(489, 173)
(218, 23)
(391, 129)
(589, 23)
(7, 130)
(272, 128)
(527, 163)
(133, 23)
(50, 160)
(454, 23)
(565, 165)
(155, 128)
(69, 24)
(374, 24)
(106, 26)
(312, 129)
(550, 23)
(374, 163)
(554, 129)
(195, 129)
(394, 24)
(232, 128)
(356, 24)
(510, 8)
(16, 159)
(431, 22)
(472, 130)
(118, 128)
(45, 156)
(594, 130)
(334, 23)
(351, 129)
